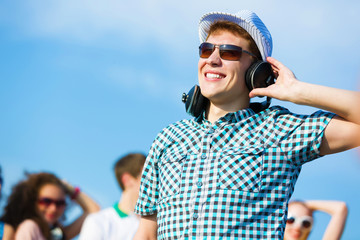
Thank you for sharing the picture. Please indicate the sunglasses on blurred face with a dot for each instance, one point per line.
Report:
(305, 221)
(48, 201)
(227, 51)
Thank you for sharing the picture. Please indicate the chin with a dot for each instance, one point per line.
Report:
(51, 220)
(293, 237)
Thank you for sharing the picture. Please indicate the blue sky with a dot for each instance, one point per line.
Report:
(85, 82)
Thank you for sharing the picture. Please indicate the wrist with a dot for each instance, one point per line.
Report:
(75, 193)
(298, 93)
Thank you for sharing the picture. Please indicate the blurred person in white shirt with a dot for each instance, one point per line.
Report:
(118, 222)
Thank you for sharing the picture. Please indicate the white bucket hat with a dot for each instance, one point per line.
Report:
(247, 20)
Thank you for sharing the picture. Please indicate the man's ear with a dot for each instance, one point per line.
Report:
(127, 180)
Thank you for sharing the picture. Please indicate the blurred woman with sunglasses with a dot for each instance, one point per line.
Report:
(37, 205)
(300, 219)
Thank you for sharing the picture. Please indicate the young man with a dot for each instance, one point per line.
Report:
(118, 222)
(229, 173)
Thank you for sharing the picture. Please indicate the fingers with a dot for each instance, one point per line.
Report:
(68, 186)
(259, 92)
(275, 63)
(279, 68)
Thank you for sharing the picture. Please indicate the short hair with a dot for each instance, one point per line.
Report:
(132, 163)
(224, 25)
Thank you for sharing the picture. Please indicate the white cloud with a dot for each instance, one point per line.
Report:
(298, 28)
(155, 84)
(93, 21)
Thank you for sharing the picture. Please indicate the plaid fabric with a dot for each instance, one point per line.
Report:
(231, 179)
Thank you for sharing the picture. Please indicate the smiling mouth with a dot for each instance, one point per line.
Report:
(51, 217)
(214, 76)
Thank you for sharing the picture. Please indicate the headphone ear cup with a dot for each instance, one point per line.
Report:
(249, 75)
(259, 75)
(195, 102)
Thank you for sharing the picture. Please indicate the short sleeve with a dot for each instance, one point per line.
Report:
(91, 229)
(304, 135)
(148, 196)
(28, 230)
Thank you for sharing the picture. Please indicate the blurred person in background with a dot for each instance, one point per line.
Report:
(118, 222)
(6, 231)
(36, 207)
(300, 219)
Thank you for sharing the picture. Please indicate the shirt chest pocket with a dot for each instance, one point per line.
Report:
(241, 169)
(170, 171)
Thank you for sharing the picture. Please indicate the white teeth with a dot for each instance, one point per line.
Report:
(213, 75)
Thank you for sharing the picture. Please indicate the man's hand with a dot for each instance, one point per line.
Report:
(285, 87)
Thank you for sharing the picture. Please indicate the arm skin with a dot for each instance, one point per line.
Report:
(342, 133)
(338, 212)
(147, 228)
(9, 233)
(88, 206)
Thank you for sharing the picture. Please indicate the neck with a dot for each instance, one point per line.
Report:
(127, 202)
(216, 111)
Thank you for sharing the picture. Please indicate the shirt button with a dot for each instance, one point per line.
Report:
(211, 131)
(195, 216)
(203, 156)
(199, 183)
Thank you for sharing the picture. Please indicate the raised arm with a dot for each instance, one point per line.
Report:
(147, 228)
(88, 206)
(342, 133)
(338, 212)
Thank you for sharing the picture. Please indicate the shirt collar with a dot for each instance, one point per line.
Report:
(232, 117)
(242, 114)
(119, 212)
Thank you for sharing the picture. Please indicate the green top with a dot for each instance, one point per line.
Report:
(118, 210)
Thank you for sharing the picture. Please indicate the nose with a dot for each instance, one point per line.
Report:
(51, 208)
(297, 226)
(54, 207)
(214, 59)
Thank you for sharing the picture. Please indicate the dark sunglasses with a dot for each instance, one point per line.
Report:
(305, 222)
(227, 51)
(48, 201)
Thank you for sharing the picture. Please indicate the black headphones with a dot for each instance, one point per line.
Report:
(258, 75)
